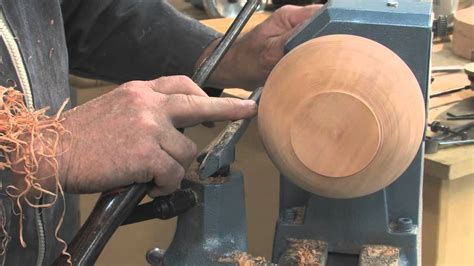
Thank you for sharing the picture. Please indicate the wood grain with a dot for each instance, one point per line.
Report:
(339, 136)
(342, 116)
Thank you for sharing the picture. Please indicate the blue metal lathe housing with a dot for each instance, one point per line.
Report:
(391, 216)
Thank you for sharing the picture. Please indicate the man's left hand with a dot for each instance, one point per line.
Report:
(254, 54)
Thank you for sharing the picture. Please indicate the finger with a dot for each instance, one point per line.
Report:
(161, 191)
(179, 147)
(294, 15)
(167, 173)
(209, 124)
(188, 110)
(176, 85)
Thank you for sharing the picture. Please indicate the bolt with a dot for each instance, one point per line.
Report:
(155, 256)
(289, 215)
(392, 3)
(440, 26)
(404, 224)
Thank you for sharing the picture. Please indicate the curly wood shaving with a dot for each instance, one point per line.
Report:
(29, 140)
(243, 259)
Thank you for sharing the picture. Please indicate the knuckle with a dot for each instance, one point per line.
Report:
(189, 100)
(285, 9)
(147, 123)
(164, 79)
(190, 153)
(159, 169)
(192, 149)
(231, 102)
(135, 93)
(132, 86)
(179, 174)
(169, 174)
(142, 152)
(183, 79)
(183, 100)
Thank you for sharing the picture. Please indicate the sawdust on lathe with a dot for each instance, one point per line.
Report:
(378, 251)
(243, 259)
(306, 252)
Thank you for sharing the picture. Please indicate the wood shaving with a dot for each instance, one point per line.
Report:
(29, 140)
(306, 252)
(243, 259)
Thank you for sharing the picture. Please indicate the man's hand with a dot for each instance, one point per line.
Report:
(129, 135)
(253, 56)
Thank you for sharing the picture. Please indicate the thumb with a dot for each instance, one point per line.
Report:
(298, 15)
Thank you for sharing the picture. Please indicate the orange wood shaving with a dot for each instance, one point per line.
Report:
(243, 259)
(29, 140)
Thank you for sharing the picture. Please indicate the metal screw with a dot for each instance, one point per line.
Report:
(155, 256)
(289, 215)
(392, 3)
(404, 224)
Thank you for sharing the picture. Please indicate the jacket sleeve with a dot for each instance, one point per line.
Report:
(123, 40)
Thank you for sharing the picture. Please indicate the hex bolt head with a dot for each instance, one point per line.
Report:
(155, 256)
(404, 224)
(289, 215)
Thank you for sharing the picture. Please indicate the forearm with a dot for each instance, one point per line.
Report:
(229, 72)
(132, 40)
(253, 55)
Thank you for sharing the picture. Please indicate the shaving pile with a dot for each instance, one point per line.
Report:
(29, 140)
(380, 255)
(243, 259)
(306, 252)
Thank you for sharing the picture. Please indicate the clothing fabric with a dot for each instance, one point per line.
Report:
(115, 40)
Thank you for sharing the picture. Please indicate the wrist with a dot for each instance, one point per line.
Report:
(225, 74)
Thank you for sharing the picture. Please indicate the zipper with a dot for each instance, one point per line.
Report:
(18, 63)
(14, 51)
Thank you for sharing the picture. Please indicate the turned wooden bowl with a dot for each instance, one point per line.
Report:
(341, 116)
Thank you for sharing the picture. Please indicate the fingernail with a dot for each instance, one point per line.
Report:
(250, 104)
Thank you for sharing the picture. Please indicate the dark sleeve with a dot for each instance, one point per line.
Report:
(123, 40)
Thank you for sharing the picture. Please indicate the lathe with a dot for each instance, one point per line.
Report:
(342, 116)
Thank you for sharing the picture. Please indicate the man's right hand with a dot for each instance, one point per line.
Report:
(129, 135)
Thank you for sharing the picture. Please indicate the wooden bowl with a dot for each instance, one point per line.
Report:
(342, 116)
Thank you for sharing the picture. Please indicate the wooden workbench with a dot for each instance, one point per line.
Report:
(448, 210)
